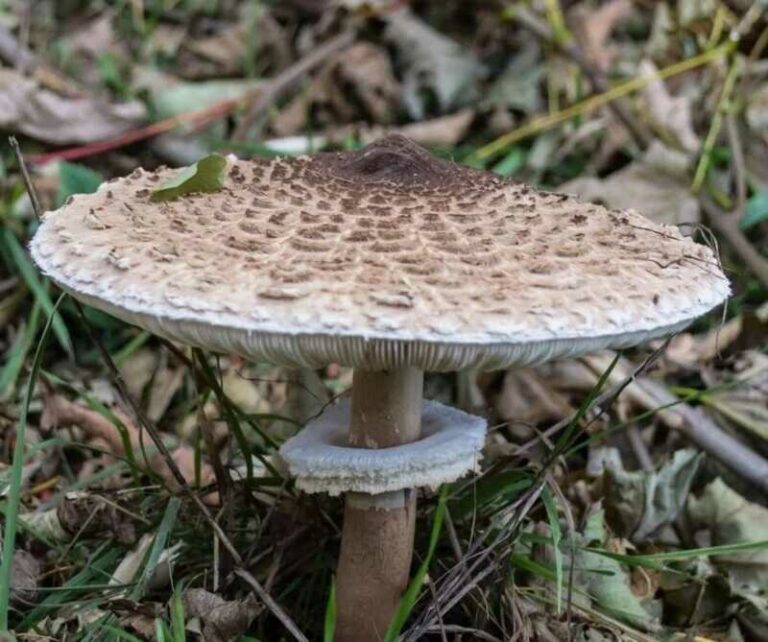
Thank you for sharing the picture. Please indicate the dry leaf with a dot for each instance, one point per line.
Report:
(528, 398)
(639, 503)
(40, 113)
(725, 517)
(59, 411)
(445, 130)
(223, 621)
(689, 350)
(84, 515)
(127, 571)
(357, 83)
(93, 39)
(25, 578)
(519, 86)
(671, 115)
(594, 27)
(433, 64)
(657, 185)
(224, 53)
(742, 396)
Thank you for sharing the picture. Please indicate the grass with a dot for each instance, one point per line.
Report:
(13, 500)
(479, 541)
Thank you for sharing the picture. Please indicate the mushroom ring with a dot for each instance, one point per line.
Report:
(321, 462)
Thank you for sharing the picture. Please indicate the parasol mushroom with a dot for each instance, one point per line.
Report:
(392, 262)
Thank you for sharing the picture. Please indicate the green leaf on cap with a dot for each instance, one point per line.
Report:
(206, 175)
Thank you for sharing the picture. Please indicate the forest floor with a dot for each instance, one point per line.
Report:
(622, 497)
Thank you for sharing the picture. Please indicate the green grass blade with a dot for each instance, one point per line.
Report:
(124, 353)
(565, 439)
(121, 634)
(161, 628)
(178, 620)
(158, 546)
(494, 490)
(14, 492)
(19, 350)
(411, 594)
(329, 625)
(656, 560)
(525, 563)
(554, 527)
(29, 274)
(97, 567)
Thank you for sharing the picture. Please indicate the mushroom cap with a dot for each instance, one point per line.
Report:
(450, 446)
(377, 258)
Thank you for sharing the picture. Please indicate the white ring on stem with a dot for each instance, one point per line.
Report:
(318, 457)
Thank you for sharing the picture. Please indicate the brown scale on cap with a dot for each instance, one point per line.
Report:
(380, 252)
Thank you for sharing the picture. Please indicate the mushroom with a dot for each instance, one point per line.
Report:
(394, 263)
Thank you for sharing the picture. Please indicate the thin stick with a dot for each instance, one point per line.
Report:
(707, 435)
(286, 79)
(196, 118)
(147, 425)
(737, 160)
(717, 122)
(26, 177)
(599, 100)
(727, 225)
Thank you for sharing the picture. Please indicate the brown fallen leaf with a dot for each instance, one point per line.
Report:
(357, 83)
(671, 116)
(593, 27)
(657, 184)
(223, 621)
(741, 395)
(446, 130)
(687, 350)
(59, 411)
(84, 515)
(30, 109)
(529, 398)
(25, 578)
(431, 63)
(224, 53)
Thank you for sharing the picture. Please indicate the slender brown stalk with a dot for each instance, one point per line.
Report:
(377, 538)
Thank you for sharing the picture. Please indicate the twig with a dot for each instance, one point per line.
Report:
(717, 122)
(453, 536)
(286, 79)
(599, 100)
(693, 423)
(474, 634)
(196, 118)
(707, 435)
(737, 161)
(727, 225)
(639, 448)
(596, 76)
(261, 99)
(147, 425)
(601, 403)
(26, 177)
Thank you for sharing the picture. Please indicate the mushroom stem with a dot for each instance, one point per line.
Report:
(377, 538)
